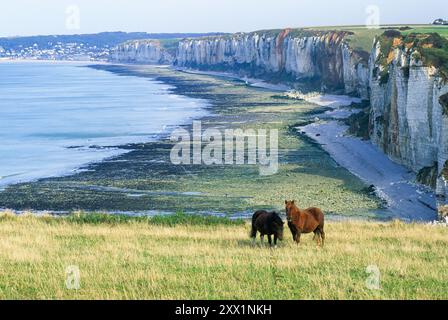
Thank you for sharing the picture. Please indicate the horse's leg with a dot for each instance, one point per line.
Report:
(254, 239)
(317, 236)
(270, 240)
(322, 235)
(293, 230)
(294, 235)
(275, 240)
(298, 234)
(262, 238)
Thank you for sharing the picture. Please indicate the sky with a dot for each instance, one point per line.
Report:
(41, 17)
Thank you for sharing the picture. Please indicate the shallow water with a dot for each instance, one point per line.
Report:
(56, 117)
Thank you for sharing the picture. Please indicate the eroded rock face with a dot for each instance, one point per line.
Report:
(323, 59)
(407, 118)
(142, 51)
(356, 73)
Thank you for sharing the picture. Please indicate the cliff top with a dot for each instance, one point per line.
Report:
(293, 32)
(359, 38)
(429, 48)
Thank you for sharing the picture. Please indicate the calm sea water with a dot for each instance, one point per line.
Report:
(52, 113)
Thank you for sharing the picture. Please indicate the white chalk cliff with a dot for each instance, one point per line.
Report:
(142, 51)
(288, 56)
(407, 118)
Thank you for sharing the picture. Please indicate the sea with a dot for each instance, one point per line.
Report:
(57, 117)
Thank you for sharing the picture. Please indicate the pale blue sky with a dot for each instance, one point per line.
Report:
(31, 17)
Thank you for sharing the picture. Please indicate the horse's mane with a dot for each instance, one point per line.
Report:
(257, 214)
(275, 217)
(295, 209)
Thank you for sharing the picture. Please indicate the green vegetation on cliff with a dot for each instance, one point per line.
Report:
(170, 45)
(431, 49)
(441, 30)
(361, 37)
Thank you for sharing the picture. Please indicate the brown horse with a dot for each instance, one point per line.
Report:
(305, 221)
(267, 223)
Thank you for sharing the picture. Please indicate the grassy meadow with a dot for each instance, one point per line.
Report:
(362, 38)
(178, 257)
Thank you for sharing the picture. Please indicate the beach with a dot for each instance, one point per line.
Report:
(395, 184)
(124, 173)
(143, 180)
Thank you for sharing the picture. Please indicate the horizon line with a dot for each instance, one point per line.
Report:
(223, 32)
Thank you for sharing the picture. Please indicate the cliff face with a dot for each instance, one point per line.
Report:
(322, 59)
(142, 51)
(407, 120)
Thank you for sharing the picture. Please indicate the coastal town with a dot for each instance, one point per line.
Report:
(58, 51)
(79, 47)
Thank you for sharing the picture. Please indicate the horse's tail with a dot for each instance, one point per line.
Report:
(322, 220)
(319, 216)
(253, 231)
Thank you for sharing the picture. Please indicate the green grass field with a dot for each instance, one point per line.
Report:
(362, 39)
(189, 258)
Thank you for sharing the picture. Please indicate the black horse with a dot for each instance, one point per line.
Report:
(267, 223)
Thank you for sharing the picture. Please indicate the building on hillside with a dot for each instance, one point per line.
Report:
(440, 22)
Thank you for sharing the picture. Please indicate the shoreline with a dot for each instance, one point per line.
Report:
(7, 60)
(335, 103)
(95, 151)
(392, 182)
(224, 190)
(253, 82)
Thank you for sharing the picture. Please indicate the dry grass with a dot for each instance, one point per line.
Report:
(135, 260)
